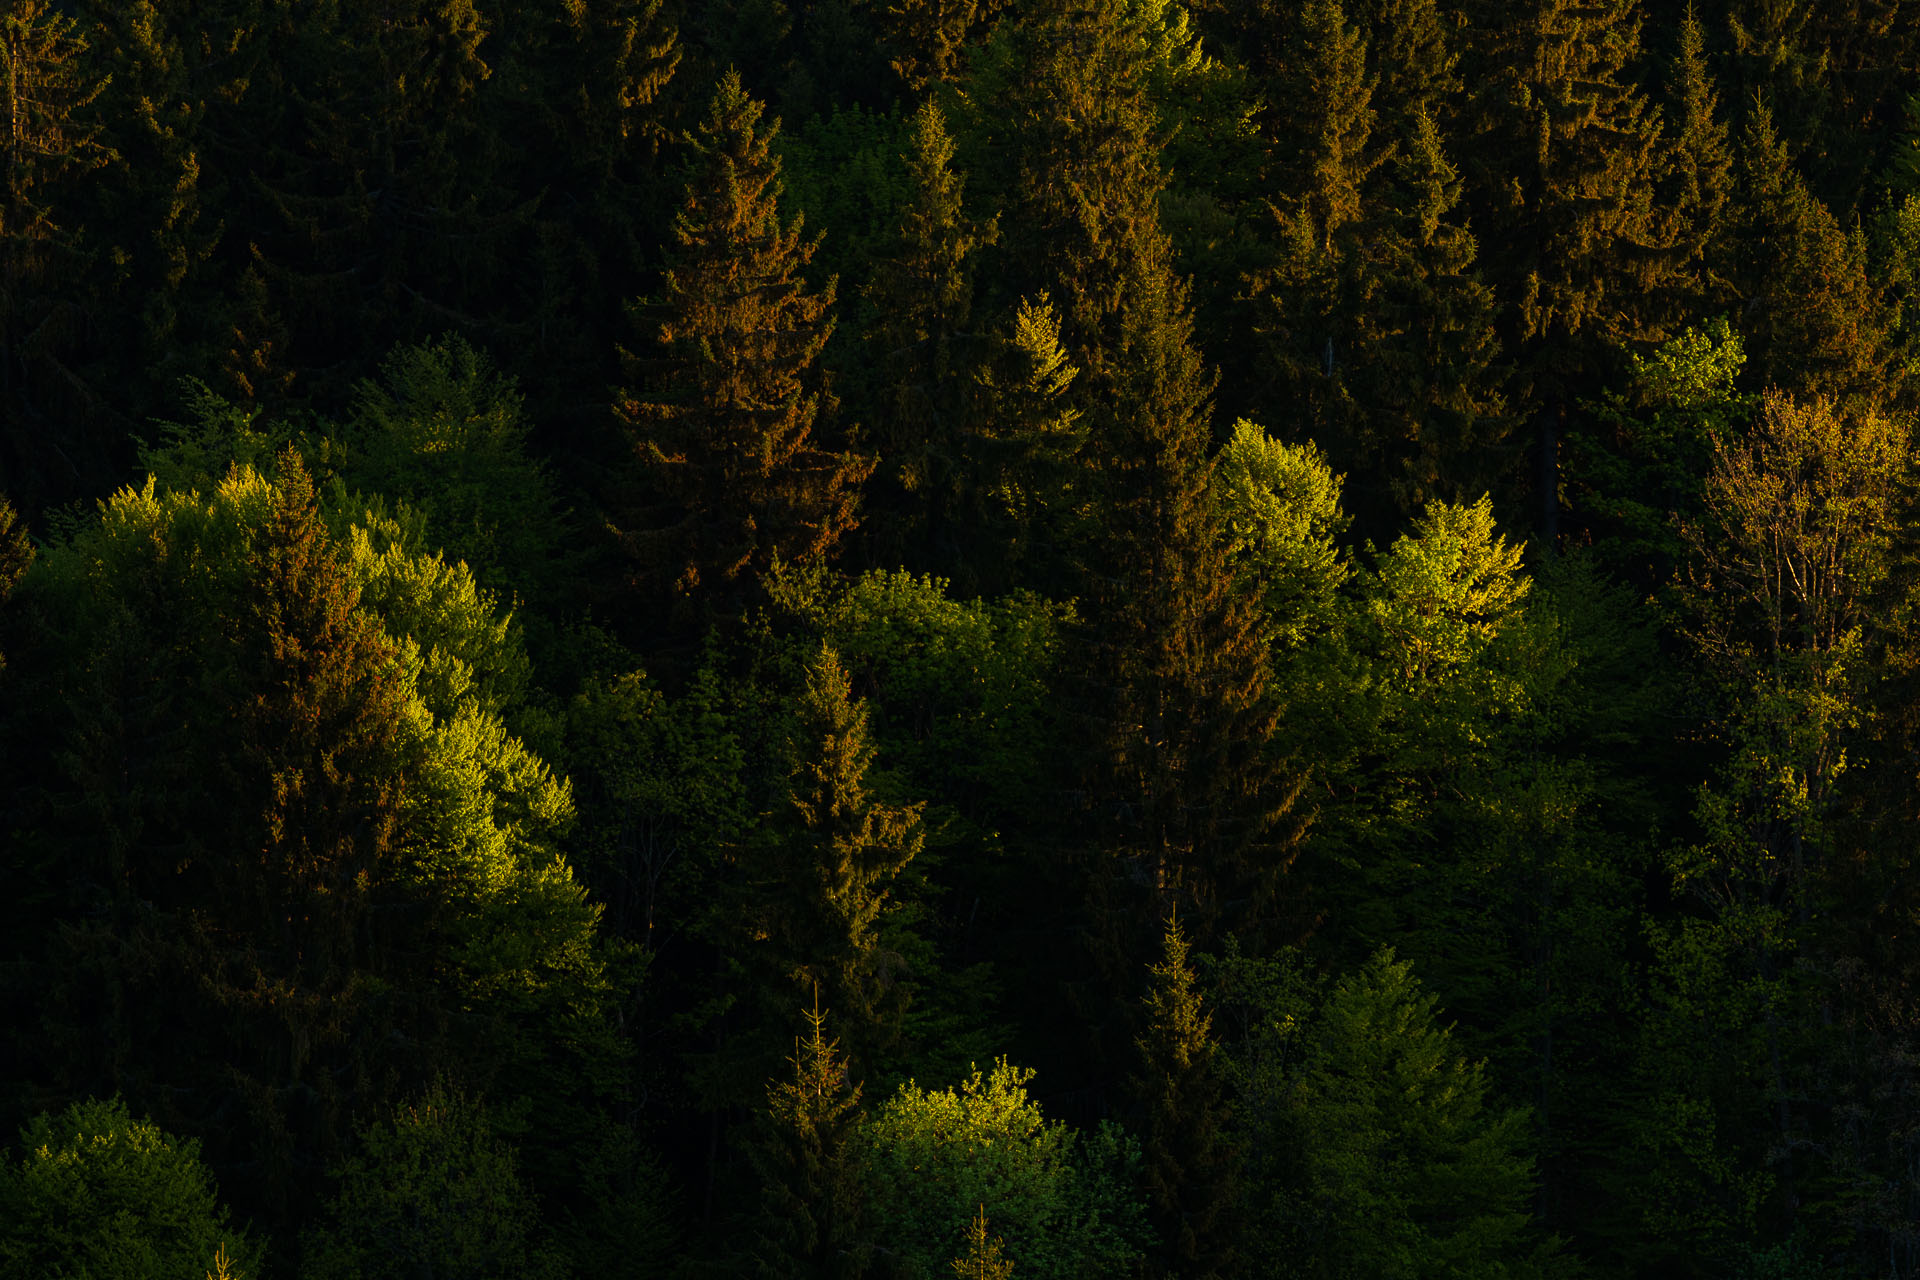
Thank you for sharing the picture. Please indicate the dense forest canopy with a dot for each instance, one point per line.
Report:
(1010, 638)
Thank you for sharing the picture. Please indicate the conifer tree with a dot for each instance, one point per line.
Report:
(809, 1227)
(1816, 318)
(1070, 122)
(923, 352)
(1700, 177)
(380, 204)
(1192, 1170)
(1565, 157)
(578, 101)
(926, 38)
(723, 421)
(1414, 58)
(1028, 494)
(1200, 795)
(832, 860)
(984, 1258)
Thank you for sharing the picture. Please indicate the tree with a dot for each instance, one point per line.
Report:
(933, 1159)
(1205, 804)
(1409, 1170)
(52, 442)
(1796, 536)
(927, 38)
(984, 1258)
(923, 354)
(1700, 180)
(324, 867)
(431, 1191)
(1818, 324)
(1192, 1168)
(829, 861)
(445, 433)
(99, 1193)
(733, 478)
(810, 1188)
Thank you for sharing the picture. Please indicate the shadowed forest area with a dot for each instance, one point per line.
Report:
(894, 639)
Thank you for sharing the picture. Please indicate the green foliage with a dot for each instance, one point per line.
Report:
(432, 1191)
(985, 1258)
(1402, 1165)
(734, 479)
(1068, 1204)
(1192, 1166)
(445, 434)
(100, 1194)
(1642, 470)
(811, 1194)
(1280, 505)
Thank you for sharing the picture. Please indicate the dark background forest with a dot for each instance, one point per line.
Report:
(905, 638)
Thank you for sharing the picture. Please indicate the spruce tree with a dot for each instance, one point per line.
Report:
(809, 1225)
(1069, 128)
(984, 1258)
(1700, 178)
(1815, 316)
(923, 354)
(724, 419)
(1192, 1169)
(1199, 795)
(379, 210)
(924, 39)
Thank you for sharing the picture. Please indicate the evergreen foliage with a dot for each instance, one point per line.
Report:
(723, 428)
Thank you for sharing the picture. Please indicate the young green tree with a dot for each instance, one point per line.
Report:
(824, 878)
(985, 1259)
(1192, 1167)
(810, 1188)
(732, 474)
(933, 1159)
(98, 1193)
(1410, 1169)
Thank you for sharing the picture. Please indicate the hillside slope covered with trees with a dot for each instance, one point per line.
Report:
(896, 638)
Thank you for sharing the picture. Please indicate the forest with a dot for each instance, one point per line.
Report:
(1000, 639)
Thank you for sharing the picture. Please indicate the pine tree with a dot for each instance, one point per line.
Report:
(733, 475)
(923, 354)
(809, 1227)
(1191, 1166)
(984, 1258)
